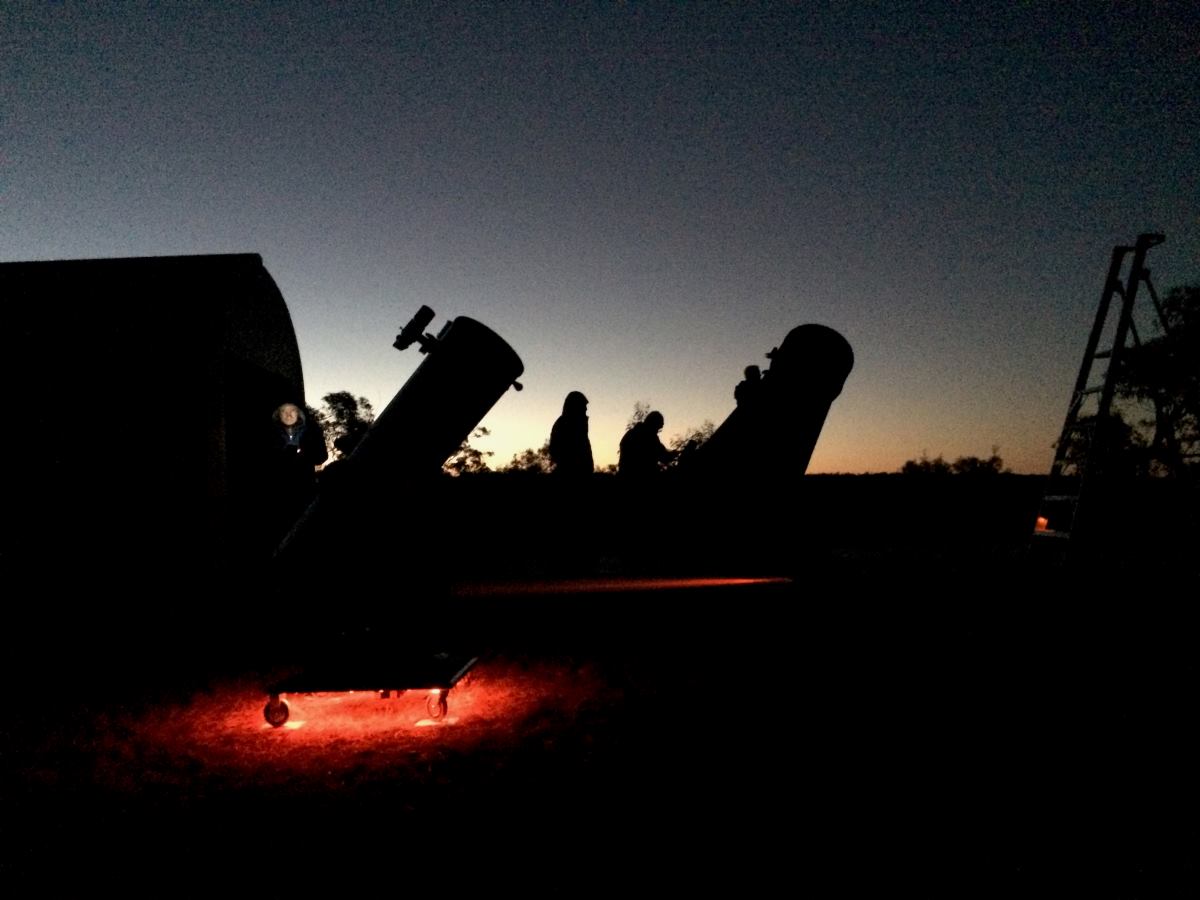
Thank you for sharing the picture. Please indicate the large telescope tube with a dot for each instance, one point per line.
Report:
(467, 368)
(786, 412)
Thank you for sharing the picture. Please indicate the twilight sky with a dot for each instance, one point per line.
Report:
(641, 198)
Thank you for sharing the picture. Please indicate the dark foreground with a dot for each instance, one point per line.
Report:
(886, 722)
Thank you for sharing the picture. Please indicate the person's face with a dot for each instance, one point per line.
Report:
(289, 415)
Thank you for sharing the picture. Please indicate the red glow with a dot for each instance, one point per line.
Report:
(1042, 524)
(608, 585)
(220, 733)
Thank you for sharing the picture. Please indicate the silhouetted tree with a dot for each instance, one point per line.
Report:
(345, 419)
(972, 466)
(469, 460)
(975, 466)
(534, 462)
(1164, 372)
(926, 466)
(689, 442)
(1127, 454)
(699, 435)
(641, 409)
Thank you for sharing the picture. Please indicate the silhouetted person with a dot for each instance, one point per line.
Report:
(641, 452)
(297, 447)
(570, 449)
(746, 391)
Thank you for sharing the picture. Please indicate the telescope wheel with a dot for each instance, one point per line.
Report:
(276, 711)
(436, 705)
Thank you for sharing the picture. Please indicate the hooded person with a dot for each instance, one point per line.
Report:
(297, 448)
(297, 438)
(570, 448)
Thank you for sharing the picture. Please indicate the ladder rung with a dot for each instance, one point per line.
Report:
(1092, 390)
(1060, 498)
(1102, 354)
(1051, 535)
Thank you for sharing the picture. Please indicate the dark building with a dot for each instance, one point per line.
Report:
(137, 390)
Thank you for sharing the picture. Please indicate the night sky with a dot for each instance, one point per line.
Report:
(641, 198)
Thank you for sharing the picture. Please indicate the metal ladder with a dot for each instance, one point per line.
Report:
(1086, 443)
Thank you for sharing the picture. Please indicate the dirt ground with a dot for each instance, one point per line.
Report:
(875, 725)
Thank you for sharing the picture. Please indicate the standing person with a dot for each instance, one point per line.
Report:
(297, 448)
(641, 452)
(572, 507)
(570, 448)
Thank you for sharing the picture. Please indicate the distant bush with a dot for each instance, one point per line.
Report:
(973, 466)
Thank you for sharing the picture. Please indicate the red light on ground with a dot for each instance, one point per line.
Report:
(218, 736)
(1042, 524)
